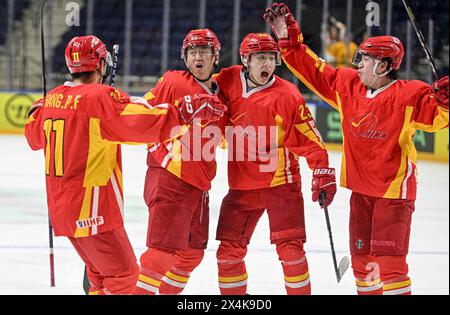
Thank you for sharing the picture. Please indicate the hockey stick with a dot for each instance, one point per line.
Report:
(44, 92)
(115, 60)
(345, 262)
(421, 39)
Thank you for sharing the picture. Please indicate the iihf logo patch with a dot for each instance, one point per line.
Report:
(82, 224)
(359, 244)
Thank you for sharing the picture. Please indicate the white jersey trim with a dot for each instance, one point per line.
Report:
(288, 166)
(232, 285)
(95, 209)
(154, 147)
(246, 94)
(72, 84)
(405, 182)
(297, 285)
(117, 193)
(168, 155)
(374, 94)
(206, 88)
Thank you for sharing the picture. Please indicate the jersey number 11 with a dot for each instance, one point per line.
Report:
(55, 146)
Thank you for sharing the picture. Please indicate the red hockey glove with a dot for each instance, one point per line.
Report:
(201, 106)
(440, 91)
(284, 26)
(324, 180)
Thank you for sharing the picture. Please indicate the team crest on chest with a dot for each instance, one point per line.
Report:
(365, 126)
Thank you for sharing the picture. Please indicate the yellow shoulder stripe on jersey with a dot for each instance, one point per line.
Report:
(320, 63)
(308, 132)
(149, 96)
(309, 85)
(132, 109)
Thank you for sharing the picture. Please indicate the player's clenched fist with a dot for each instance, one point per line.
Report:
(201, 106)
(324, 180)
(440, 91)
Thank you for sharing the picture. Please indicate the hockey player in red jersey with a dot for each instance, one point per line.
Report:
(79, 125)
(379, 115)
(272, 127)
(179, 176)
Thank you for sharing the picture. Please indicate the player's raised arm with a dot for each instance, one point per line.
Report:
(128, 119)
(314, 72)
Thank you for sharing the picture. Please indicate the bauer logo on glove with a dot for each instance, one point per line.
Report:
(324, 180)
(324, 171)
(201, 106)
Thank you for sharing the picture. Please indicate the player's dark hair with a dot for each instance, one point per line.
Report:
(82, 76)
(393, 74)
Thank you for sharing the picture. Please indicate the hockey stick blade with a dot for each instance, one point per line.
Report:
(345, 262)
(343, 266)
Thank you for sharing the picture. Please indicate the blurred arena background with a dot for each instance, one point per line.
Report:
(150, 33)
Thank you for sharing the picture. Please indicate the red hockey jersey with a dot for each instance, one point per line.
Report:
(379, 157)
(79, 127)
(190, 157)
(271, 127)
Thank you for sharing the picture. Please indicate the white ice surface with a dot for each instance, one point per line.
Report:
(24, 253)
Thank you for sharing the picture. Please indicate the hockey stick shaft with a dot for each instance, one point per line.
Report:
(44, 92)
(421, 39)
(115, 59)
(330, 234)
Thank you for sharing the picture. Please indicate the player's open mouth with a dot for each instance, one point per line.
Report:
(199, 66)
(264, 75)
